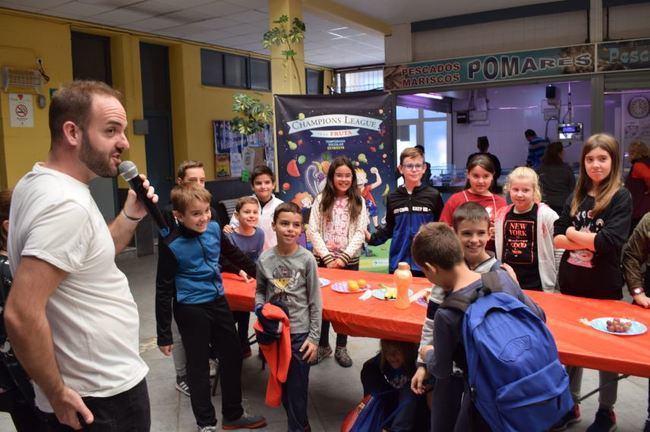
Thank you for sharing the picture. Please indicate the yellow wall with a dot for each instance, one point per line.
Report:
(26, 37)
(24, 40)
(194, 106)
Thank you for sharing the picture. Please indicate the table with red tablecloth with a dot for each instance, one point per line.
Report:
(578, 343)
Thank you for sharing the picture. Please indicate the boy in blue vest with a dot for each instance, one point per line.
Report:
(438, 252)
(189, 274)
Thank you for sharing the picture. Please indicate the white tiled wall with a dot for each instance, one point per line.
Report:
(512, 110)
(501, 36)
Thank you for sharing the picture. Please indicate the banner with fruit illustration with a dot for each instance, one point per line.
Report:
(313, 130)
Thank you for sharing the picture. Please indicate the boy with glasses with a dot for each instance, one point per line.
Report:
(407, 208)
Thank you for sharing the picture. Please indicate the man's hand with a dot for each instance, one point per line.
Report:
(642, 300)
(228, 229)
(339, 263)
(166, 349)
(417, 382)
(68, 407)
(134, 207)
(309, 350)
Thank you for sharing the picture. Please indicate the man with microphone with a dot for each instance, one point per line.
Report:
(71, 317)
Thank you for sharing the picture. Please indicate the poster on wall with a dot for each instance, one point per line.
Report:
(313, 130)
(236, 155)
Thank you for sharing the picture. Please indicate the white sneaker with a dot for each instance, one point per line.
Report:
(214, 367)
(206, 428)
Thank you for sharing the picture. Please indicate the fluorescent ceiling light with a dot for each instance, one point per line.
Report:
(430, 96)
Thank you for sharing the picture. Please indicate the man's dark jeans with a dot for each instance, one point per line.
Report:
(125, 412)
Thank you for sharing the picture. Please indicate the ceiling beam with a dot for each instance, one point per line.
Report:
(501, 14)
(338, 12)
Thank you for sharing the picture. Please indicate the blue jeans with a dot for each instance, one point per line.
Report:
(125, 412)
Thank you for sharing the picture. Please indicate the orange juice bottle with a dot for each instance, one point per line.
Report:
(402, 278)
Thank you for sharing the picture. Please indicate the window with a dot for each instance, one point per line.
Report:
(314, 80)
(360, 80)
(260, 74)
(220, 69)
(211, 68)
(236, 74)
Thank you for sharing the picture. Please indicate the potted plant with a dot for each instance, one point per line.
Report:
(285, 35)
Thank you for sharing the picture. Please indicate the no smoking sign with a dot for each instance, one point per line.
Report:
(21, 110)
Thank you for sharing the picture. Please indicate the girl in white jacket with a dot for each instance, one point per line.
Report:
(524, 232)
(336, 229)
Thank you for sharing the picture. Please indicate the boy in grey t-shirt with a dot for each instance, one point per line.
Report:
(288, 273)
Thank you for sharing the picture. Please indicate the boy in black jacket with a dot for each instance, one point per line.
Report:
(189, 274)
(407, 208)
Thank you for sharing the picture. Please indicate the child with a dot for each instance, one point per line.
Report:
(439, 253)
(192, 172)
(16, 391)
(337, 225)
(250, 240)
(263, 184)
(189, 274)
(471, 224)
(593, 228)
(480, 172)
(288, 274)
(524, 232)
(636, 252)
(387, 376)
(407, 208)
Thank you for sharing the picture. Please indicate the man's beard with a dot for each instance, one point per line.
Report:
(96, 161)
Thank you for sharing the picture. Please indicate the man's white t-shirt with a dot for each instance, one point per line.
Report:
(92, 314)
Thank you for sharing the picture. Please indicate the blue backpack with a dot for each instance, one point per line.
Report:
(513, 371)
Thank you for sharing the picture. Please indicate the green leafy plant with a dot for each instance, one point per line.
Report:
(253, 116)
(286, 35)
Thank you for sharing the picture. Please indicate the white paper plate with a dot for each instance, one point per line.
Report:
(601, 324)
(342, 287)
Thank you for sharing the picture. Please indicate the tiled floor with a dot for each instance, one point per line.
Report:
(332, 392)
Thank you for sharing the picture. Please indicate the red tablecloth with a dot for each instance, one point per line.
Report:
(578, 344)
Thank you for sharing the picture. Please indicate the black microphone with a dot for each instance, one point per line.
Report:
(129, 172)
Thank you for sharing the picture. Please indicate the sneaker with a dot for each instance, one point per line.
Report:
(342, 357)
(181, 385)
(573, 416)
(605, 421)
(214, 367)
(207, 428)
(246, 421)
(323, 352)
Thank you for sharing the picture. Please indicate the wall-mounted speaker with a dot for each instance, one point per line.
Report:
(550, 92)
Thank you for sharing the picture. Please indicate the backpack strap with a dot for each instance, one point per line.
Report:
(491, 282)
